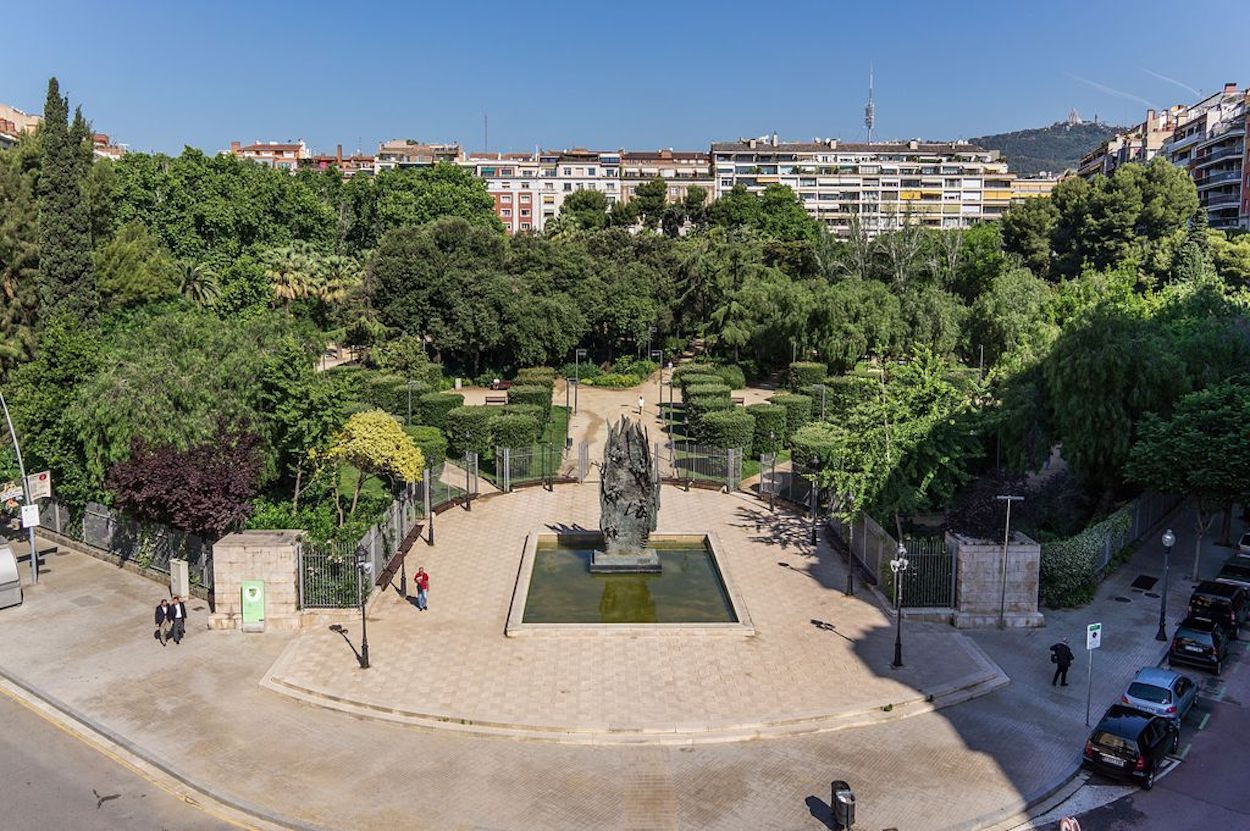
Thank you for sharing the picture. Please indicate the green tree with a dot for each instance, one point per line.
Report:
(1012, 314)
(417, 196)
(19, 254)
(64, 221)
(131, 269)
(198, 282)
(649, 199)
(1028, 228)
(375, 444)
(585, 209)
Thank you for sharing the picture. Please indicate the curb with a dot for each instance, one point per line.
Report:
(236, 811)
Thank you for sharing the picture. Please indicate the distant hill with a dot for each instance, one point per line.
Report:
(1054, 148)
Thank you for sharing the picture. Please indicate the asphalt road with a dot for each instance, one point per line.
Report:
(1208, 788)
(49, 779)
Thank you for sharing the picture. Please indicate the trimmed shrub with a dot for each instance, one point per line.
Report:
(532, 410)
(706, 390)
(432, 444)
(727, 428)
(698, 406)
(473, 421)
(805, 373)
(798, 410)
(842, 392)
(582, 370)
(532, 394)
(697, 368)
(819, 439)
(768, 418)
(613, 380)
(695, 379)
(629, 366)
(1069, 568)
(514, 430)
(431, 408)
(732, 376)
(542, 376)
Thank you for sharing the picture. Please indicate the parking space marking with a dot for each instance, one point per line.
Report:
(1202, 725)
(1184, 751)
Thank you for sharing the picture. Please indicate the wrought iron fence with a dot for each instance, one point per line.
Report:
(524, 465)
(683, 461)
(929, 580)
(148, 545)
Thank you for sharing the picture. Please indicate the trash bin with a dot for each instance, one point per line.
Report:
(843, 802)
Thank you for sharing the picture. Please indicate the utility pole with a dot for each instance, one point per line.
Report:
(21, 470)
(1002, 605)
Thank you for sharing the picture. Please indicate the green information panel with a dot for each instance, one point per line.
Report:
(253, 604)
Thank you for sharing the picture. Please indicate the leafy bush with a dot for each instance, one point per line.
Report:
(1069, 567)
(706, 390)
(732, 376)
(798, 410)
(432, 407)
(698, 368)
(805, 373)
(613, 380)
(698, 406)
(487, 377)
(731, 428)
(532, 410)
(629, 366)
(543, 376)
(432, 444)
(514, 430)
(694, 379)
(475, 422)
(819, 439)
(532, 394)
(769, 418)
(583, 370)
(842, 392)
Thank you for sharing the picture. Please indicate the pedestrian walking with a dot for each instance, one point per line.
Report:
(178, 619)
(423, 588)
(1061, 656)
(162, 621)
(640, 403)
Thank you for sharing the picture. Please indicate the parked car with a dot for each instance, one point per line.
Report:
(1128, 742)
(1161, 692)
(1221, 602)
(1235, 572)
(1243, 545)
(1199, 641)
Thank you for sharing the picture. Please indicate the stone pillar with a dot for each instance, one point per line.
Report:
(271, 556)
(979, 582)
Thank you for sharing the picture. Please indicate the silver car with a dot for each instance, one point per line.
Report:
(1161, 692)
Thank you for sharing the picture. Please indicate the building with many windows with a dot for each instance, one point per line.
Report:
(348, 166)
(282, 155)
(680, 170)
(1210, 142)
(411, 153)
(1138, 144)
(883, 185)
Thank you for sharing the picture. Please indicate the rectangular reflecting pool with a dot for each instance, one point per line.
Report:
(688, 589)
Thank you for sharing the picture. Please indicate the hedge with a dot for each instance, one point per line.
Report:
(432, 407)
(698, 406)
(514, 430)
(842, 392)
(613, 380)
(532, 394)
(683, 370)
(798, 410)
(542, 376)
(693, 379)
(706, 390)
(532, 410)
(1069, 568)
(731, 375)
(768, 418)
(726, 429)
(476, 421)
(805, 373)
(432, 443)
(819, 439)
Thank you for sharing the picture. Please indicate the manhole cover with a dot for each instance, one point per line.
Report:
(1144, 582)
(1123, 599)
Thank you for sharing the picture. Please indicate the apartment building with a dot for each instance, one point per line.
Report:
(282, 155)
(15, 122)
(103, 148)
(1210, 142)
(680, 170)
(401, 153)
(1034, 187)
(1139, 144)
(347, 166)
(884, 184)
(515, 182)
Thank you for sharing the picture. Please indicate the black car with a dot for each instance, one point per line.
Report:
(1221, 602)
(1236, 572)
(1132, 743)
(1199, 641)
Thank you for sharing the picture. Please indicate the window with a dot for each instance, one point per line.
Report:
(568, 171)
(568, 186)
(506, 212)
(590, 171)
(506, 199)
(525, 198)
(525, 212)
(525, 226)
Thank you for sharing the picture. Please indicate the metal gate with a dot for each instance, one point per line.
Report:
(930, 575)
(583, 460)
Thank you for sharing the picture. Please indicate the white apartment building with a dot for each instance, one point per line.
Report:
(1139, 144)
(529, 189)
(1211, 144)
(885, 184)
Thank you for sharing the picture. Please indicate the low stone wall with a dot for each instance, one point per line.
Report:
(152, 574)
(979, 586)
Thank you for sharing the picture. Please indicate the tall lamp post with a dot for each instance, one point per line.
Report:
(468, 490)
(772, 472)
(578, 354)
(898, 567)
(1169, 540)
(813, 469)
(658, 355)
(21, 471)
(364, 569)
(1002, 604)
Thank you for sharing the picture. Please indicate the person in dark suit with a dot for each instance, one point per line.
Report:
(178, 619)
(1061, 656)
(162, 621)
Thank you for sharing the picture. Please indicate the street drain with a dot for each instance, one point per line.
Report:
(1145, 582)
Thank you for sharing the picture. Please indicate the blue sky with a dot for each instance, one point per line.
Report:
(606, 75)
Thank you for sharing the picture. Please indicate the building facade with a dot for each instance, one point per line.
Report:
(401, 153)
(348, 166)
(882, 186)
(281, 155)
(680, 170)
(15, 122)
(1138, 144)
(1211, 144)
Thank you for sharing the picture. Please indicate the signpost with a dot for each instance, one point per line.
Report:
(1093, 640)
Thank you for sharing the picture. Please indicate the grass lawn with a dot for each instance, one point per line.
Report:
(373, 486)
(751, 464)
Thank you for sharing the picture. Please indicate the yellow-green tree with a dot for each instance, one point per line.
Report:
(375, 444)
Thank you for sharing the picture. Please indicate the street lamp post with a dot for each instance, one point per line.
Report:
(650, 335)
(813, 473)
(658, 354)
(21, 471)
(898, 567)
(578, 354)
(1169, 539)
(468, 491)
(1002, 604)
(772, 471)
(363, 570)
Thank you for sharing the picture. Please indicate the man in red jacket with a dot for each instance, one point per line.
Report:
(423, 588)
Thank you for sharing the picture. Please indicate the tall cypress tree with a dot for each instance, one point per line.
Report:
(66, 283)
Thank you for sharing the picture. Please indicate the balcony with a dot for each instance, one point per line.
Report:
(1212, 179)
(1223, 200)
(1216, 155)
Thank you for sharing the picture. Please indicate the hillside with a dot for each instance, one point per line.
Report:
(1054, 148)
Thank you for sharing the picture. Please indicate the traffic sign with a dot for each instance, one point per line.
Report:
(1093, 636)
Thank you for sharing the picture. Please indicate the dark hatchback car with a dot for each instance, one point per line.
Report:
(1223, 603)
(1201, 642)
(1128, 742)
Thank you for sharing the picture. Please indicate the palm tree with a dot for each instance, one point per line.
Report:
(290, 270)
(198, 283)
(335, 277)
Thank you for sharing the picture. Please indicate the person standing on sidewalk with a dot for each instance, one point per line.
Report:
(178, 619)
(423, 588)
(640, 404)
(1061, 656)
(162, 621)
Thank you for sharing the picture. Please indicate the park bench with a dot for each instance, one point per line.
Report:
(496, 399)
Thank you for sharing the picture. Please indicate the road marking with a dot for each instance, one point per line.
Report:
(1205, 718)
(1185, 751)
